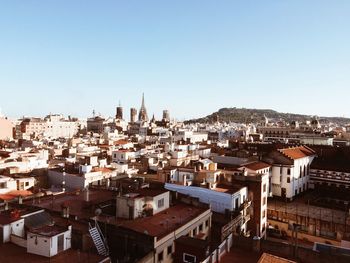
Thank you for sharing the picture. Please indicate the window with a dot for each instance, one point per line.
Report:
(194, 232)
(27, 183)
(160, 256)
(280, 179)
(161, 203)
(188, 258)
(288, 171)
(264, 188)
(170, 249)
(288, 179)
(200, 227)
(207, 223)
(281, 170)
(263, 214)
(264, 201)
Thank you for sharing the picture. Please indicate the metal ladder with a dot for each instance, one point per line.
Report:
(99, 240)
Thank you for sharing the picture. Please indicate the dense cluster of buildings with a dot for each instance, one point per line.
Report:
(148, 190)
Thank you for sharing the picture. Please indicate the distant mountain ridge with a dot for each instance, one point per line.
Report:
(243, 115)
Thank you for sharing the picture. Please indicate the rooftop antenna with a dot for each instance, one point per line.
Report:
(93, 113)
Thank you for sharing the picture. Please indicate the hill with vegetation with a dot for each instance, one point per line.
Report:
(243, 115)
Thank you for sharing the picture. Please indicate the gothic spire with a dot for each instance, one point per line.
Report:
(143, 101)
(143, 112)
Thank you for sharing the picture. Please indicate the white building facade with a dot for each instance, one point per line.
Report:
(291, 171)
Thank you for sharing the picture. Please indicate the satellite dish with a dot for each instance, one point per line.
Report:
(98, 211)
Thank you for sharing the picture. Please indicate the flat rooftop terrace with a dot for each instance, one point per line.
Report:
(76, 201)
(165, 222)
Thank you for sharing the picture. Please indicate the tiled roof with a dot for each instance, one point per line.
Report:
(121, 142)
(297, 152)
(256, 166)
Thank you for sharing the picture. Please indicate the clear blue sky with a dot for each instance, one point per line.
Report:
(191, 57)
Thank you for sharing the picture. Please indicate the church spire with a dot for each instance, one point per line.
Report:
(143, 101)
(143, 112)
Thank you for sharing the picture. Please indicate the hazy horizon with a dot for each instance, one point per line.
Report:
(126, 114)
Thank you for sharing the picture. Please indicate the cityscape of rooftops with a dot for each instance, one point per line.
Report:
(174, 131)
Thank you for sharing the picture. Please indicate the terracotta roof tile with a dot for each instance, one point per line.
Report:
(297, 152)
(256, 166)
